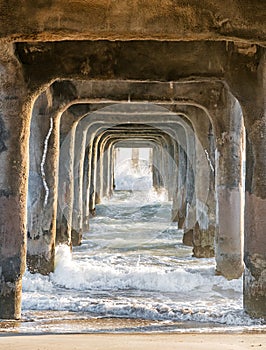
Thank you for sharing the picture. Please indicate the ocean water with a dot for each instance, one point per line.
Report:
(131, 274)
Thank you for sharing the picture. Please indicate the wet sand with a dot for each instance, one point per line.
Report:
(134, 341)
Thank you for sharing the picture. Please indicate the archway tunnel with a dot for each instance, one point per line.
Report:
(203, 127)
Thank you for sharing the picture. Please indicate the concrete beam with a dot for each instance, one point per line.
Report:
(128, 20)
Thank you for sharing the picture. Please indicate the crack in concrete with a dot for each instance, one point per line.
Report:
(45, 149)
(209, 160)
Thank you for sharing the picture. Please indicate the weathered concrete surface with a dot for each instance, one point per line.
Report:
(229, 243)
(79, 153)
(40, 222)
(229, 192)
(248, 83)
(43, 210)
(255, 222)
(127, 20)
(204, 226)
(255, 258)
(46, 61)
(203, 242)
(43, 62)
(188, 238)
(15, 107)
(180, 203)
(65, 181)
(176, 91)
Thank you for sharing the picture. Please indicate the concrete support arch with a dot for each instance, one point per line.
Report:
(227, 128)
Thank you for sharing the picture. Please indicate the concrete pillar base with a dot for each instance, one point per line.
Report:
(76, 237)
(203, 242)
(203, 252)
(255, 254)
(92, 212)
(255, 290)
(97, 198)
(62, 232)
(188, 238)
(229, 266)
(40, 263)
(10, 299)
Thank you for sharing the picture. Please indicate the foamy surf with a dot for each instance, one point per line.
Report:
(133, 267)
(157, 280)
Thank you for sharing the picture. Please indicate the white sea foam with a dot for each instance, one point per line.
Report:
(133, 178)
(36, 282)
(189, 293)
(105, 275)
(132, 264)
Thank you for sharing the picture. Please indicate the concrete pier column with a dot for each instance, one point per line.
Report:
(112, 168)
(98, 151)
(65, 179)
(92, 175)
(108, 166)
(165, 164)
(79, 154)
(204, 215)
(199, 209)
(229, 191)
(99, 172)
(44, 152)
(165, 154)
(86, 215)
(102, 168)
(114, 164)
(88, 189)
(87, 178)
(191, 198)
(157, 176)
(175, 186)
(204, 227)
(255, 197)
(150, 156)
(172, 169)
(104, 171)
(135, 158)
(105, 166)
(255, 222)
(15, 110)
(179, 210)
(43, 178)
(181, 207)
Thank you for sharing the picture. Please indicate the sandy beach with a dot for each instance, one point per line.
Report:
(134, 341)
